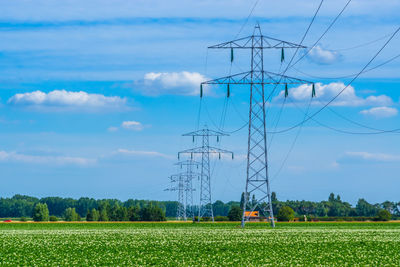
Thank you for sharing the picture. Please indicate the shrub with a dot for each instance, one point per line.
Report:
(23, 219)
(285, 214)
(235, 213)
(53, 218)
(383, 215)
(40, 213)
(152, 213)
(221, 218)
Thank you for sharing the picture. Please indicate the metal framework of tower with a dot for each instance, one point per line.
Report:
(183, 184)
(257, 181)
(189, 175)
(177, 184)
(205, 150)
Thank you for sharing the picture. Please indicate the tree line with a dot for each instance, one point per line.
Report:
(333, 207)
(132, 210)
(23, 206)
(105, 213)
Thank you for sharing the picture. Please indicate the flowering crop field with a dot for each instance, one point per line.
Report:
(124, 244)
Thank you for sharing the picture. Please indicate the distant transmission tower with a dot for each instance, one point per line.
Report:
(205, 150)
(182, 183)
(177, 184)
(189, 176)
(257, 182)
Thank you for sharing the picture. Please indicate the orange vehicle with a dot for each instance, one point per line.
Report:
(251, 214)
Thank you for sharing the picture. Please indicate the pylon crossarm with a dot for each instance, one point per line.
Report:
(246, 43)
(201, 150)
(187, 174)
(188, 162)
(205, 132)
(245, 78)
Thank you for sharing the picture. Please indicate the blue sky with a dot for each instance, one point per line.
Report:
(94, 97)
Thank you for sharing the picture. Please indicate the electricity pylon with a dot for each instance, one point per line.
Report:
(257, 182)
(179, 186)
(205, 150)
(189, 175)
(182, 183)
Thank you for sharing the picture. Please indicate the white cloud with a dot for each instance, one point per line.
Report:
(323, 56)
(170, 83)
(380, 112)
(132, 125)
(141, 153)
(325, 92)
(40, 159)
(112, 129)
(361, 157)
(129, 125)
(62, 100)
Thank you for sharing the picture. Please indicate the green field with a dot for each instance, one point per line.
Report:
(217, 244)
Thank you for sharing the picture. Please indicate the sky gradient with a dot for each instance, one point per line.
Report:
(95, 95)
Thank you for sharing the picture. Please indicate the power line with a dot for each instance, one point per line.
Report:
(293, 143)
(347, 131)
(325, 32)
(336, 96)
(297, 49)
(360, 124)
(247, 19)
(349, 75)
(361, 45)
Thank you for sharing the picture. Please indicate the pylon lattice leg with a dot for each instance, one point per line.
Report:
(257, 183)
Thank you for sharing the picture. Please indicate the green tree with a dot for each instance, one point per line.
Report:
(235, 213)
(40, 213)
(285, 214)
(363, 208)
(273, 197)
(389, 206)
(71, 215)
(92, 215)
(134, 213)
(119, 213)
(242, 199)
(331, 197)
(103, 216)
(152, 213)
(383, 215)
(53, 218)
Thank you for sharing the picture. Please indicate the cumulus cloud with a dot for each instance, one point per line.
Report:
(123, 155)
(132, 125)
(61, 100)
(170, 83)
(365, 157)
(44, 159)
(142, 153)
(129, 125)
(325, 92)
(323, 56)
(380, 112)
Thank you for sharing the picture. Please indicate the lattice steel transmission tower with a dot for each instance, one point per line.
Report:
(183, 184)
(178, 184)
(205, 150)
(189, 175)
(257, 182)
